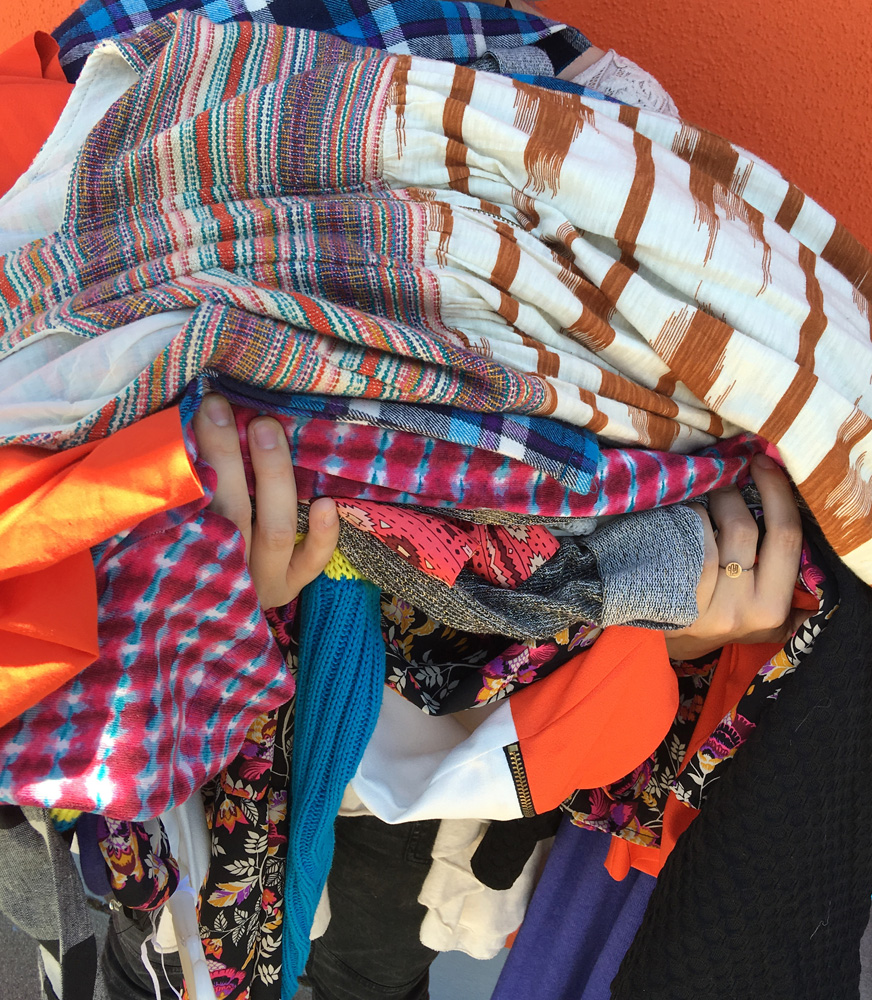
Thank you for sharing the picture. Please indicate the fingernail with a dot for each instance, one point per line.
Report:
(330, 516)
(266, 434)
(763, 462)
(217, 410)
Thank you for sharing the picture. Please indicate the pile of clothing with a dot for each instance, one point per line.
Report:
(490, 307)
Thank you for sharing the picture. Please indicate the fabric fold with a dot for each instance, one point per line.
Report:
(33, 92)
(55, 506)
(491, 37)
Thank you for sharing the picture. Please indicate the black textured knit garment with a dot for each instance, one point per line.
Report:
(507, 845)
(767, 894)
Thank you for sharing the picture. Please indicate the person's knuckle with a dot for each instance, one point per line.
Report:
(276, 536)
(313, 559)
(766, 615)
(273, 489)
(781, 611)
(270, 596)
(237, 511)
(222, 446)
(730, 518)
(743, 533)
(756, 619)
(723, 621)
(737, 623)
(785, 535)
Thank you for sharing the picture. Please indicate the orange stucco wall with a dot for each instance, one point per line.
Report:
(21, 17)
(791, 81)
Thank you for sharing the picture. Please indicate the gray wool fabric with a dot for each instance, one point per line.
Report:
(638, 569)
(42, 894)
(525, 59)
(650, 564)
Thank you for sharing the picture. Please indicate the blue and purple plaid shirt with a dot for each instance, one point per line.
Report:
(479, 34)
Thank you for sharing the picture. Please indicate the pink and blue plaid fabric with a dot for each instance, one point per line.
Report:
(439, 456)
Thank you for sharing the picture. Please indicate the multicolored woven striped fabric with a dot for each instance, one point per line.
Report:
(356, 223)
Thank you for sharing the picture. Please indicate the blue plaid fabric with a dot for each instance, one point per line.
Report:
(571, 455)
(464, 33)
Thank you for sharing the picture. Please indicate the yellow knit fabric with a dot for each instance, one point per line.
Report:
(338, 568)
(64, 818)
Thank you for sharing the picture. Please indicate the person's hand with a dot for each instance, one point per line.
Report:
(754, 606)
(279, 567)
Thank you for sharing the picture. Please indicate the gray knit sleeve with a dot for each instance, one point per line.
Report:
(649, 563)
(638, 569)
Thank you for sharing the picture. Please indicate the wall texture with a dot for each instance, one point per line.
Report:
(21, 17)
(792, 82)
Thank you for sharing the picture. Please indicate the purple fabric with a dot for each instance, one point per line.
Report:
(579, 924)
(94, 871)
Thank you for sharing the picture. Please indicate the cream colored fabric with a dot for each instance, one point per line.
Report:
(462, 913)
(619, 77)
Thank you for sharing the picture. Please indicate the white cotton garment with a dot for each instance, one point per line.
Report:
(54, 379)
(34, 206)
(621, 78)
(190, 839)
(190, 843)
(462, 913)
(42, 377)
(418, 766)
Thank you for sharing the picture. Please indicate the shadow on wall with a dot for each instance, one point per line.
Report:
(790, 82)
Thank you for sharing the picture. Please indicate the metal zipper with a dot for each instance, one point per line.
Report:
(519, 777)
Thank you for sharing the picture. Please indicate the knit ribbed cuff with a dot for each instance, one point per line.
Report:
(650, 563)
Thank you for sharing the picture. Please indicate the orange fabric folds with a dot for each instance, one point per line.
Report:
(53, 507)
(598, 716)
(33, 92)
(737, 667)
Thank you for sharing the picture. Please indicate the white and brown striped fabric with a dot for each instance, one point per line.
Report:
(667, 286)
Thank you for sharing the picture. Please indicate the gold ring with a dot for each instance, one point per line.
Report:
(733, 569)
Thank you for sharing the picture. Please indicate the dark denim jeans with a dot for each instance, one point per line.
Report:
(372, 949)
(126, 977)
